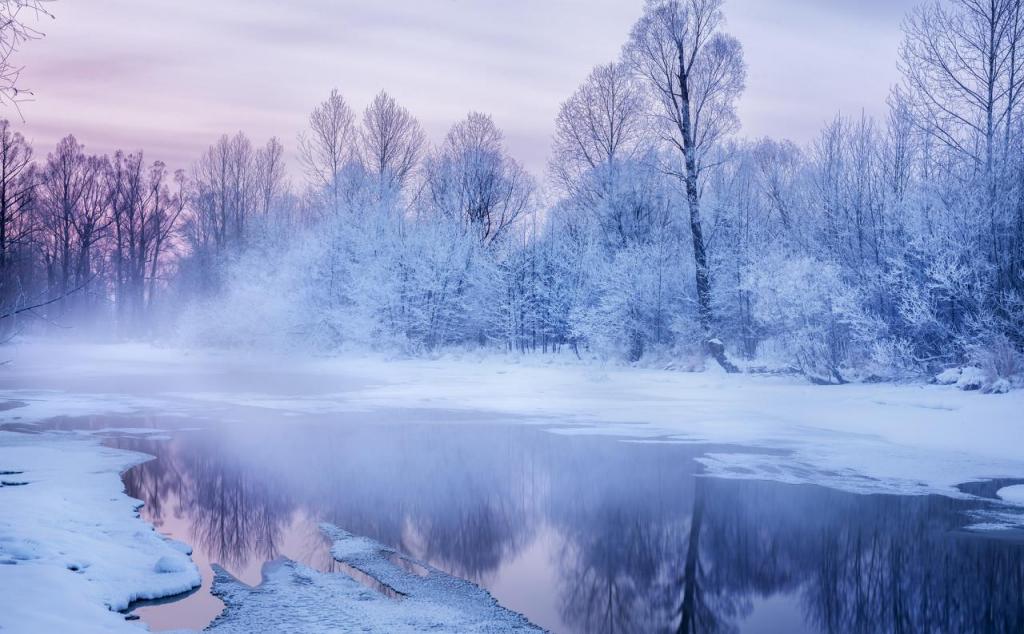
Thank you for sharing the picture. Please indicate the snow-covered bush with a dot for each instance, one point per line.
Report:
(635, 296)
(816, 316)
(894, 358)
(1001, 363)
(367, 278)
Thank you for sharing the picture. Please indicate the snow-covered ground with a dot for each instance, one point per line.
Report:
(908, 438)
(72, 548)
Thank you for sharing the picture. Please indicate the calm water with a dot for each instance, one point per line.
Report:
(579, 533)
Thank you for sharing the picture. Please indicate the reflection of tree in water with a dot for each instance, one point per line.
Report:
(470, 508)
(702, 609)
(862, 564)
(237, 514)
(666, 559)
(615, 581)
(623, 533)
(451, 496)
(156, 481)
(903, 569)
(645, 546)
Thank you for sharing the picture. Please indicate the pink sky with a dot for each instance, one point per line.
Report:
(171, 76)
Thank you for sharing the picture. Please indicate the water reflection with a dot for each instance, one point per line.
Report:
(586, 534)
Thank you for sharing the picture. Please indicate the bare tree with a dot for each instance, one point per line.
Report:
(472, 178)
(129, 195)
(18, 180)
(964, 73)
(392, 142)
(327, 146)
(74, 214)
(225, 195)
(697, 72)
(146, 214)
(164, 215)
(270, 174)
(603, 121)
(17, 183)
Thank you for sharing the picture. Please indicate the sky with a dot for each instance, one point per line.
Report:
(170, 76)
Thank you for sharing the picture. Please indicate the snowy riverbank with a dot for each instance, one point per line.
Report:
(71, 513)
(72, 549)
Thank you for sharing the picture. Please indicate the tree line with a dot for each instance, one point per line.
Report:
(885, 247)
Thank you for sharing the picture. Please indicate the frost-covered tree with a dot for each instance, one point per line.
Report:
(963, 65)
(270, 175)
(883, 247)
(392, 143)
(696, 72)
(473, 179)
(327, 146)
(602, 124)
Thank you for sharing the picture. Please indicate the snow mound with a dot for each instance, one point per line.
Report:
(75, 549)
(971, 378)
(295, 598)
(947, 377)
(999, 386)
(168, 564)
(1012, 494)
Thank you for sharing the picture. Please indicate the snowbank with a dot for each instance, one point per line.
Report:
(72, 547)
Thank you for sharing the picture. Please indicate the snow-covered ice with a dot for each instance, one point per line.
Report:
(1013, 494)
(296, 598)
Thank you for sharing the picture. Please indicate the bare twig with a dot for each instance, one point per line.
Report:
(14, 31)
(54, 300)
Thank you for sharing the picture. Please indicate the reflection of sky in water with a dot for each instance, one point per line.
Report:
(581, 534)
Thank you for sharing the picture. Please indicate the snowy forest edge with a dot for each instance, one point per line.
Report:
(883, 250)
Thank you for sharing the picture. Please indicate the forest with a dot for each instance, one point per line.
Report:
(886, 249)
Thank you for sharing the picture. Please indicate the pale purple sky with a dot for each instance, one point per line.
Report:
(171, 76)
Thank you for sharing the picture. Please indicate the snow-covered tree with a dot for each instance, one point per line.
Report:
(473, 179)
(696, 72)
(392, 143)
(328, 145)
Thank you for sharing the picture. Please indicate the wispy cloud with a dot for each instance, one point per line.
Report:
(171, 76)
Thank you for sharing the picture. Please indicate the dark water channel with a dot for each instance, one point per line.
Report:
(579, 533)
